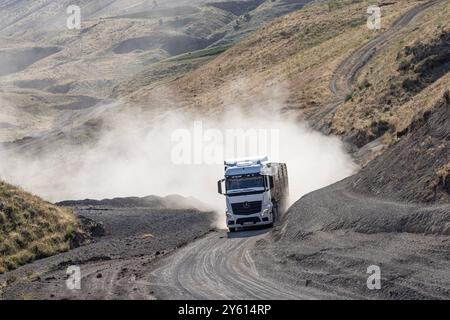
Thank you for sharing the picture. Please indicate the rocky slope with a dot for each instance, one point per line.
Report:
(385, 93)
(404, 76)
(52, 79)
(129, 239)
(31, 228)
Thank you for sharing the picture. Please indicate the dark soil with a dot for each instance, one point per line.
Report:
(122, 236)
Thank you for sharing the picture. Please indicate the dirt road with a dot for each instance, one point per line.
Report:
(134, 238)
(346, 74)
(221, 266)
(244, 265)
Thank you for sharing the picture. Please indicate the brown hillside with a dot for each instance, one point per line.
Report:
(31, 228)
(301, 52)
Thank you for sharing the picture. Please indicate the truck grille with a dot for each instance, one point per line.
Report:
(246, 208)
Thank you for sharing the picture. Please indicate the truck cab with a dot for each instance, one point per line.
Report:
(256, 192)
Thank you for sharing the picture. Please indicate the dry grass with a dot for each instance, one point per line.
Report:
(443, 175)
(31, 228)
(300, 51)
(381, 94)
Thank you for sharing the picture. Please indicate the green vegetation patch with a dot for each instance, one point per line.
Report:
(208, 52)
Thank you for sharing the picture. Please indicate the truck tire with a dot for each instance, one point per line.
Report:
(232, 229)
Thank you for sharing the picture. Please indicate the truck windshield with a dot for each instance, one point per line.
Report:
(245, 183)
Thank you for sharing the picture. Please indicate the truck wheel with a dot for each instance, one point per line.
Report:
(232, 229)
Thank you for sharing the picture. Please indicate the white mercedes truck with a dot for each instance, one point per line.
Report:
(256, 192)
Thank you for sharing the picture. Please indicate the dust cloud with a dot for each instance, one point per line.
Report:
(139, 154)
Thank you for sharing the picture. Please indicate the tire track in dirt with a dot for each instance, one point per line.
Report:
(346, 74)
(219, 268)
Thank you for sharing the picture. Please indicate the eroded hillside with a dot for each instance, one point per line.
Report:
(404, 80)
(384, 92)
(31, 228)
(55, 83)
(48, 71)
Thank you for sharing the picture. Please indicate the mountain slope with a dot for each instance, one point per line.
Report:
(405, 76)
(120, 45)
(391, 106)
(31, 228)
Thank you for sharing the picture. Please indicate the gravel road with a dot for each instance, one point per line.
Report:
(221, 266)
(135, 237)
(321, 249)
(328, 239)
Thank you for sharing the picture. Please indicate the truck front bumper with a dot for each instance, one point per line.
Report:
(249, 221)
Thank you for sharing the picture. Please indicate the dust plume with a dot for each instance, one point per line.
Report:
(136, 155)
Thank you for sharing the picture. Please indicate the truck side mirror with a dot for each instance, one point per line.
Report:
(219, 186)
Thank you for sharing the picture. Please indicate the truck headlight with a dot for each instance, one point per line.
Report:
(229, 215)
(265, 212)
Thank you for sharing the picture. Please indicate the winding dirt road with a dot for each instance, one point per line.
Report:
(221, 267)
(216, 266)
(346, 74)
